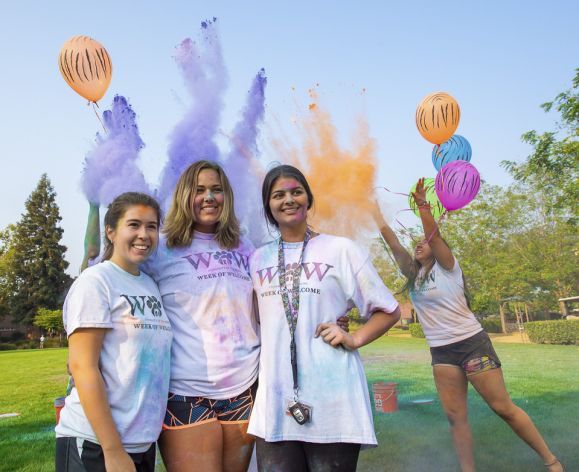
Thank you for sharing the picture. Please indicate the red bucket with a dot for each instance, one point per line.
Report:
(385, 398)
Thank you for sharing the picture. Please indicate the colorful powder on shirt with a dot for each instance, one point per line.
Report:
(342, 180)
(111, 167)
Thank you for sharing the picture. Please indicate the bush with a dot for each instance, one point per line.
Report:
(7, 346)
(416, 330)
(492, 325)
(55, 342)
(553, 332)
(26, 344)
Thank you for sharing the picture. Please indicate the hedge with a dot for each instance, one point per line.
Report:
(7, 346)
(416, 330)
(492, 325)
(553, 332)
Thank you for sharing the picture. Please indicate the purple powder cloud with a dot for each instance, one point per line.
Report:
(206, 79)
(241, 165)
(111, 167)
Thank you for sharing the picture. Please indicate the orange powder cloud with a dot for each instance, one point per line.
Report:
(342, 180)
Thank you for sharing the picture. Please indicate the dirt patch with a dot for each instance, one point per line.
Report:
(516, 338)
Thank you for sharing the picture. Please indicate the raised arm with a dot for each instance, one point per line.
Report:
(92, 237)
(84, 352)
(440, 250)
(401, 255)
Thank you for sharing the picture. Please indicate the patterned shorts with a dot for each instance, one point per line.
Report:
(183, 412)
(473, 355)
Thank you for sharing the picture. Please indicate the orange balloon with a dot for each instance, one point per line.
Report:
(86, 66)
(437, 117)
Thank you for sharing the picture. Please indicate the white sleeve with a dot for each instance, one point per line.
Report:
(87, 304)
(367, 291)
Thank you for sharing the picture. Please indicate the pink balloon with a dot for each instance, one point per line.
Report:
(457, 183)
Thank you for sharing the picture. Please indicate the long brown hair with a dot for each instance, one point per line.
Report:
(117, 210)
(180, 220)
(416, 266)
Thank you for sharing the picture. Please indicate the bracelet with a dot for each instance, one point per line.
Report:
(423, 204)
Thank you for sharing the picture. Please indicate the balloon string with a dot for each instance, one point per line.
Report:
(406, 230)
(395, 193)
(94, 107)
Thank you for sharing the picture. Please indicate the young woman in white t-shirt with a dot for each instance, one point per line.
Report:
(461, 350)
(202, 271)
(119, 348)
(312, 410)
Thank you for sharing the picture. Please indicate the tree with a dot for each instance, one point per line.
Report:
(50, 321)
(552, 169)
(37, 278)
(506, 251)
(6, 265)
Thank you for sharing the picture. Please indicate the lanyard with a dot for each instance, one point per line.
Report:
(291, 309)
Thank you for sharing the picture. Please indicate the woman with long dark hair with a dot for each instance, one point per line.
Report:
(461, 350)
(312, 410)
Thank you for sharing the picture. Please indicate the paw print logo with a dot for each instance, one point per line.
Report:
(154, 305)
(224, 257)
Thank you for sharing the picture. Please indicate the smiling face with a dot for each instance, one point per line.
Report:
(423, 253)
(288, 202)
(134, 238)
(207, 201)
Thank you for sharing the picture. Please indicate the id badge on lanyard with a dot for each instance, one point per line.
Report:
(301, 412)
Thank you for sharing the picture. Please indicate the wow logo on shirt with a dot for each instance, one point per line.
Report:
(207, 260)
(309, 270)
(141, 304)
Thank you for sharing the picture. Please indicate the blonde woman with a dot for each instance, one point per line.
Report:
(202, 271)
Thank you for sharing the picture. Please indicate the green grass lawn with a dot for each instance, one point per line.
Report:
(544, 380)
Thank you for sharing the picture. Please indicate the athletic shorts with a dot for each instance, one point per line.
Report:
(183, 412)
(473, 355)
(80, 455)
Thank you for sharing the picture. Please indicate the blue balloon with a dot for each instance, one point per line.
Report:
(456, 148)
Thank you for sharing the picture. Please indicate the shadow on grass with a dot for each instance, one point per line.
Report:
(416, 437)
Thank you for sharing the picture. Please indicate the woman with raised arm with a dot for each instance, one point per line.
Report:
(312, 410)
(461, 350)
(119, 348)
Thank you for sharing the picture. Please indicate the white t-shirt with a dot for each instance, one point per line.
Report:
(134, 359)
(208, 296)
(336, 276)
(441, 306)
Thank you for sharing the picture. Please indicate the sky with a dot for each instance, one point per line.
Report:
(375, 59)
